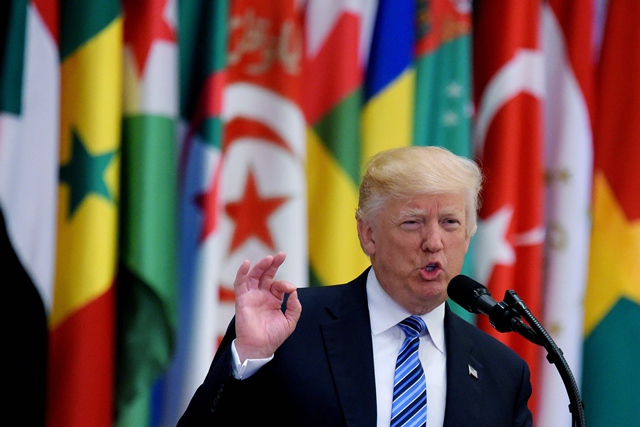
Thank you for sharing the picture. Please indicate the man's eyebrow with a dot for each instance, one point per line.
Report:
(411, 212)
(453, 209)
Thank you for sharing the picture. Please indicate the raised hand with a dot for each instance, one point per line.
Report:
(261, 326)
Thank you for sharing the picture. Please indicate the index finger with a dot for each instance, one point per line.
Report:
(270, 270)
(241, 275)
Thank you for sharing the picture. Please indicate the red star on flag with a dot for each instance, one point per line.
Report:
(251, 214)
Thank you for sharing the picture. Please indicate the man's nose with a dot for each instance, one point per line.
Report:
(432, 238)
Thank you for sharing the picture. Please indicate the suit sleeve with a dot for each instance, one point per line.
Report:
(213, 401)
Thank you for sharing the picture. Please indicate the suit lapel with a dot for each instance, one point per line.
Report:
(350, 352)
(463, 370)
(349, 349)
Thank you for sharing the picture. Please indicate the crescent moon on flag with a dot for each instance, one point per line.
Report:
(251, 101)
(523, 73)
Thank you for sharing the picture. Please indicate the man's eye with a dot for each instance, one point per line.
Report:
(449, 222)
(411, 224)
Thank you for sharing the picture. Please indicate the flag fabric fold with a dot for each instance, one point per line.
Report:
(612, 302)
(147, 148)
(82, 319)
(443, 110)
(508, 87)
(337, 40)
(147, 269)
(389, 87)
(263, 185)
(202, 46)
(29, 117)
(569, 71)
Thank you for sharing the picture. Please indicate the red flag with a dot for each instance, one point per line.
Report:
(263, 183)
(508, 138)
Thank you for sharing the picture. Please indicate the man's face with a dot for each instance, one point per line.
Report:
(416, 247)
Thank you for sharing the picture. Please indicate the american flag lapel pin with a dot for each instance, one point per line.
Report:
(473, 372)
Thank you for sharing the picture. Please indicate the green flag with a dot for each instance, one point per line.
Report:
(148, 257)
(443, 106)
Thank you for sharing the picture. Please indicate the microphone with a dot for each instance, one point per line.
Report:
(476, 298)
(505, 317)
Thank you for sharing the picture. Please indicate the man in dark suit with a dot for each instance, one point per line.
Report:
(327, 356)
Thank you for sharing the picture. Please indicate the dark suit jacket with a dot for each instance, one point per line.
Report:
(323, 374)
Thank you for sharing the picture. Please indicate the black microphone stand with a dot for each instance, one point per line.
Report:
(554, 356)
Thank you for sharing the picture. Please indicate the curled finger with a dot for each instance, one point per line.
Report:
(269, 273)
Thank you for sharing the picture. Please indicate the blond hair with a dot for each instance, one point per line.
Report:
(401, 173)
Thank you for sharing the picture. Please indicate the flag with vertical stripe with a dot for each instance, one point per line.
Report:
(443, 98)
(612, 311)
(202, 40)
(508, 90)
(337, 42)
(569, 66)
(82, 319)
(263, 193)
(29, 121)
(147, 271)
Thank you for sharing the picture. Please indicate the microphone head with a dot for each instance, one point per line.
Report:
(465, 292)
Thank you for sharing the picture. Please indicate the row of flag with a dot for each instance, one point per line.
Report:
(148, 147)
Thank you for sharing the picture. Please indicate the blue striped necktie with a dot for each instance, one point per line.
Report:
(409, 406)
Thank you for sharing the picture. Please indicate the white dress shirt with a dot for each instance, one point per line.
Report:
(387, 339)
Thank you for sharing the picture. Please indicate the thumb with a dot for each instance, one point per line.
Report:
(293, 309)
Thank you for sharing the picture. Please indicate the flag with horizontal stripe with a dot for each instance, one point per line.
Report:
(389, 87)
(147, 269)
(612, 305)
(82, 319)
(337, 47)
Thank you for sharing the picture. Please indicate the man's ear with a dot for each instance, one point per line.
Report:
(365, 234)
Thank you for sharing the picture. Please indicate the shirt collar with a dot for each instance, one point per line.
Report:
(385, 313)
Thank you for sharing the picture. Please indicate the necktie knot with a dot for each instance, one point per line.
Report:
(413, 326)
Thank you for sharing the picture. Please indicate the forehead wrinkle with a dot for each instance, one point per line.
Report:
(439, 208)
